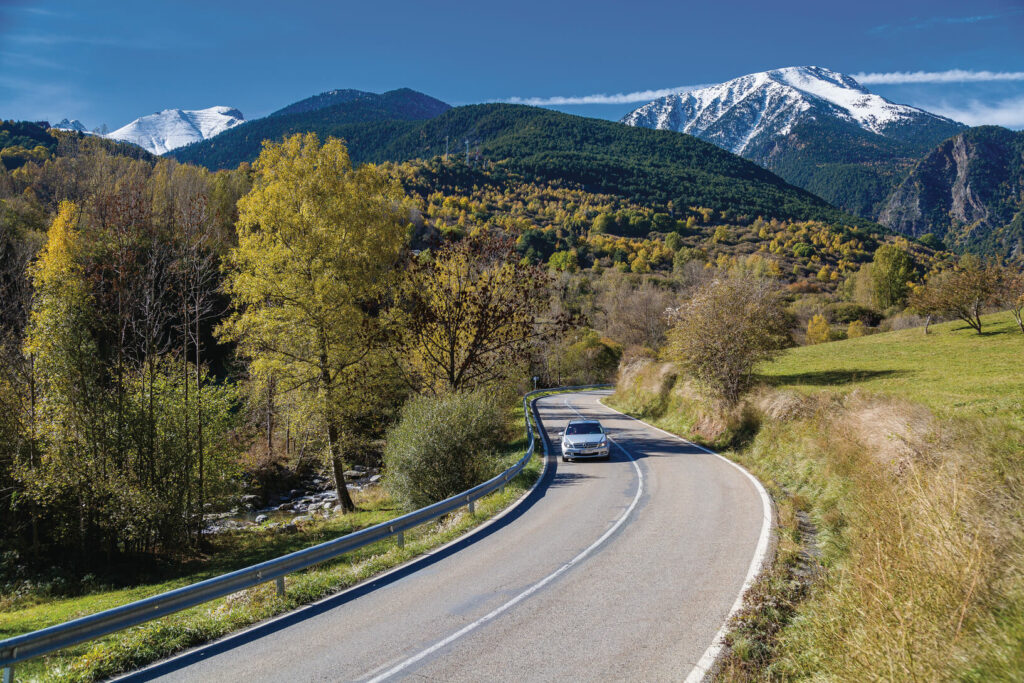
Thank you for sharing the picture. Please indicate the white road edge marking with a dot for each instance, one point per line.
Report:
(707, 661)
(398, 668)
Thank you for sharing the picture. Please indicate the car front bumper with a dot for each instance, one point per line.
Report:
(585, 452)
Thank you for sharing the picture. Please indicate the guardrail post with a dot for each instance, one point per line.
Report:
(472, 508)
(8, 674)
(280, 586)
(401, 539)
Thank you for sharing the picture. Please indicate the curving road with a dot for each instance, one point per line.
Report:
(608, 570)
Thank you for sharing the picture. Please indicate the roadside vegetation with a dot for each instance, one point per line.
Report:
(32, 607)
(895, 464)
(178, 344)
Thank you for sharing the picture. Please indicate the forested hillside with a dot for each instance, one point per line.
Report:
(643, 166)
(968, 192)
(565, 225)
(337, 113)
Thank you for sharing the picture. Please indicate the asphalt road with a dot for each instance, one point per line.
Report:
(620, 570)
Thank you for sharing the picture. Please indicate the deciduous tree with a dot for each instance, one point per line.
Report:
(318, 242)
(891, 272)
(471, 315)
(817, 329)
(963, 291)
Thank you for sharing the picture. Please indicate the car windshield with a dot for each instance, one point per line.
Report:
(584, 428)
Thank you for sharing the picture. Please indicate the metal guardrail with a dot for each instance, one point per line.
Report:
(41, 642)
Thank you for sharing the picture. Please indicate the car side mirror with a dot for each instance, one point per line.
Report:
(561, 434)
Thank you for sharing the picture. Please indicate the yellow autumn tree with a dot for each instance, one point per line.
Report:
(817, 330)
(318, 241)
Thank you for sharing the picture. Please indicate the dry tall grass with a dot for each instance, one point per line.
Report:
(920, 524)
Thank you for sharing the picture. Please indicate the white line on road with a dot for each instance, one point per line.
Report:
(398, 668)
(703, 666)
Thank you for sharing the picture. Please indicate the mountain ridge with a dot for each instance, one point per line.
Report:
(968, 191)
(243, 142)
(166, 130)
(817, 128)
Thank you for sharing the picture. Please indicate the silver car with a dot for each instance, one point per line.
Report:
(584, 439)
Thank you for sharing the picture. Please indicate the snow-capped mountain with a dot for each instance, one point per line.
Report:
(73, 124)
(818, 129)
(173, 128)
(739, 114)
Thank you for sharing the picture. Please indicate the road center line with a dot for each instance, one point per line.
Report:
(398, 668)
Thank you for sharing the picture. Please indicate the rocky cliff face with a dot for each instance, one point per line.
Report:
(969, 191)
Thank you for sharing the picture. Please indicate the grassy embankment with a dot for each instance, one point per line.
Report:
(897, 464)
(28, 610)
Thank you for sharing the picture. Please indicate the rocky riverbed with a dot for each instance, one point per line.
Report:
(284, 511)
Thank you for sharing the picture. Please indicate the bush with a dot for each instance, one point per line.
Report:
(725, 330)
(850, 312)
(443, 445)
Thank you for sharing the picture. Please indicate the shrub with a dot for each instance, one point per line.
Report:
(905, 321)
(727, 328)
(444, 444)
(856, 329)
(849, 312)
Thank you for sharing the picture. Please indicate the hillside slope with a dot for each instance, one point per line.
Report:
(335, 113)
(818, 129)
(645, 166)
(894, 462)
(968, 191)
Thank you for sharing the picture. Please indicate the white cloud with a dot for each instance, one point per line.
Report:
(941, 21)
(1008, 113)
(620, 98)
(950, 76)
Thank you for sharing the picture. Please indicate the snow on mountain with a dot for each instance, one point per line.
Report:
(173, 128)
(73, 124)
(738, 113)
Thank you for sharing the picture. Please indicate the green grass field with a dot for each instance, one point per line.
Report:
(953, 370)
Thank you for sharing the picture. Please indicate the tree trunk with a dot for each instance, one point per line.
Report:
(344, 499)
(927, 322)
(199, 431)
(333, 440)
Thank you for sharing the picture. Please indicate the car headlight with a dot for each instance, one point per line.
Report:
(603, 443)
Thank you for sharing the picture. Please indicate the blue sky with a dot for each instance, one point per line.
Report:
(110, 62)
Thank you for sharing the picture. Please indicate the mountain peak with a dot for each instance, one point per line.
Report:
(73, 124)
(742, 112)
(172, 128)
